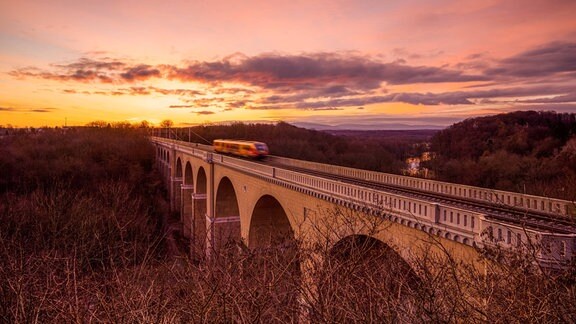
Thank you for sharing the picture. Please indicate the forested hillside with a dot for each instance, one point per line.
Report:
(386, 155)
(524, 151)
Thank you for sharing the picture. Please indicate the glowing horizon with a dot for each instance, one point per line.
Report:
(367, 63)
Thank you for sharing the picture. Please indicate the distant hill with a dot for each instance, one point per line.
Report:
(422, 135)
(369, 127)
(524, 151)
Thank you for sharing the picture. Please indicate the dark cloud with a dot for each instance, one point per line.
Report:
(87, 63)
(429, 99)
(236, 104)
(140, 72)
(76, 76)
(273, 71)
(546, 60)
(43, 110)
(327, 109)
(37, 110)
(571, 97)
(182, 106)
(139, 91)
(325, 81)
(142, 91)
(204, 112)
(179, 92)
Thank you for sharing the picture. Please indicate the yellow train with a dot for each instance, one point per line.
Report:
(251, 149)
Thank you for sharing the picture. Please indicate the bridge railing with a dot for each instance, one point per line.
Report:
(408, 211)
(497, 197)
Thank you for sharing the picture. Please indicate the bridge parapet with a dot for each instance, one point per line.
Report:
(496, 197)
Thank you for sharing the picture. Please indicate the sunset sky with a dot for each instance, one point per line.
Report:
(371, 64)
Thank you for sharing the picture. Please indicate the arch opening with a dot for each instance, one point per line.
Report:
(188, 177)
(226, 223)
(269, 225)
(201, 182)
(274, 256)
(179, 168)
(362, 273)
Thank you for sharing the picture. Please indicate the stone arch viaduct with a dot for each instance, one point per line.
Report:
(223, 199)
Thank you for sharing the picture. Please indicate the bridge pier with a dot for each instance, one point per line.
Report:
(186, 213)
(199, 229)
(176, 194)
(223, 232)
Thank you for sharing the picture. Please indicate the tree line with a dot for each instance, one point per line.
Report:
(525, 151)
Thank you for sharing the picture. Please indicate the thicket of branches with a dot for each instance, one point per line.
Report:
(81, 241)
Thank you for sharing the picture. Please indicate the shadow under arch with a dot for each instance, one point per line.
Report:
(364, 280)
(188, 177)
(226, 223)
(201, 182)
(269, 225)
(273, 260)
(178, 168)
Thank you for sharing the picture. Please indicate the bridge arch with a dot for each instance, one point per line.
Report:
(226, 220)
(178, 168)
(269, 224)
(364, 273)
(274, 255)
(201, 181)
(188, 177)
(200, 208)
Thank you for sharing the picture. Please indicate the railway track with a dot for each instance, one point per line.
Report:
(531, 219)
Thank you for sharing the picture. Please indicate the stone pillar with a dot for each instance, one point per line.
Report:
(176, 195)
(186, 211)
(224, 230)
(198, 242)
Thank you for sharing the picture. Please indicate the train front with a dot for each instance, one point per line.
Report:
(260, 150)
